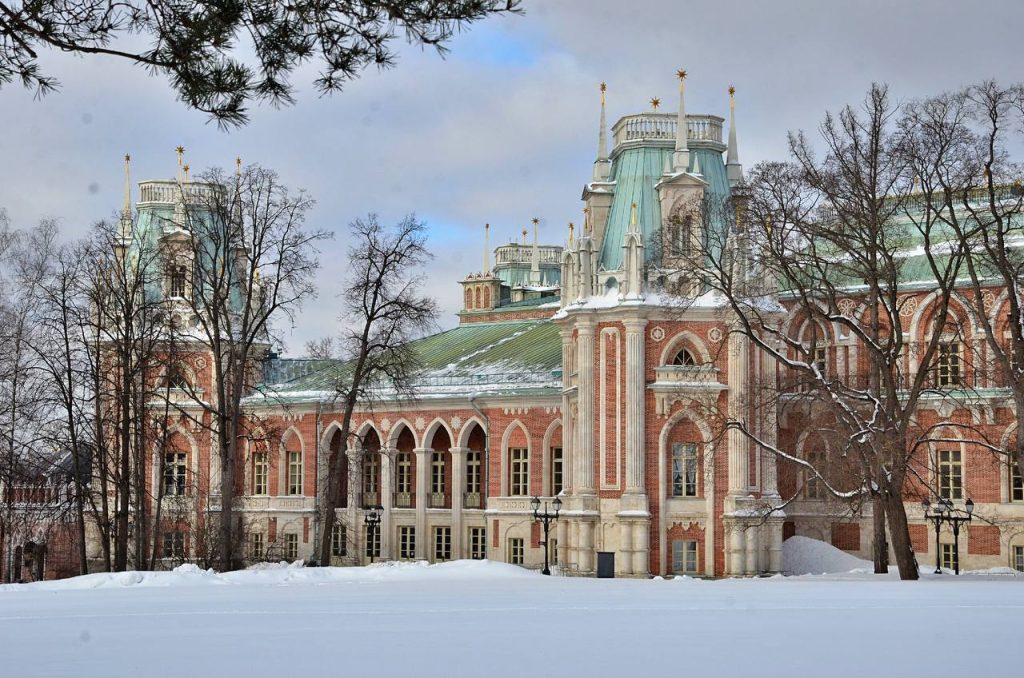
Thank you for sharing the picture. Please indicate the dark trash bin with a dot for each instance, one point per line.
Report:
(605, 565)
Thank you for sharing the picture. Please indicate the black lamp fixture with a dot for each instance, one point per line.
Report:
(545, 518)
(945, 512)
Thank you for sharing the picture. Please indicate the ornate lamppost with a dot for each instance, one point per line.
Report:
(944, 512)
(545, 519)
(372, 520)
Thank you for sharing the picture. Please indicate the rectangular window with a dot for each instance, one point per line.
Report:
(371, 472)
(339, 541)
(813, 487)
(260, 473)
(174, 544)
(437, 473)
(291, 546)
(478, 543)
(178, 281)
(947, 372)
(951, 479)
(174, 474)
(403, 479)
(949, 560)
(556, 470)
(295, 473)
(406, 542)
(442, 543)
(473, 479)
(1018, 558)
(257, 546)
(684, 556)
(684, 470)
(519, 472)
(821, 360)
(1016, 485)
(516, 551)
(373, 541)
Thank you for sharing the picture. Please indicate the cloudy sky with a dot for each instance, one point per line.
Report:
(504, 128)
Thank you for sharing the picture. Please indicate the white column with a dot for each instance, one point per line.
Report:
(624, 562)
(355, 483)
(458, 456)
(641, 547)
(387, 463)
(750, 567)
(769, 423)
(586, 547)
(739, 358)
(635, 479)
(568, 429)
(775, 546)
(735, 557)
(562, 534)
(584, 468)
(422, 488)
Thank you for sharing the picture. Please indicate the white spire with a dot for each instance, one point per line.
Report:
(681, 157)
(632, 259)
(535, 259)
(126, 209)
(602, 167)
(733, 168)
(487, 251)
(696, 165)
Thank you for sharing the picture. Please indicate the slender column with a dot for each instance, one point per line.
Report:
(769, 423)
(584, 471)
(562, 534)
(739, 361)
(775, 546)
(750, 566)
(635, 481)
(624, 563)
(423, 471)
(458, 455)
(641, 547)
(352, 522)
(586, 550)
(387, 461)
(568, 428)
(736, 561)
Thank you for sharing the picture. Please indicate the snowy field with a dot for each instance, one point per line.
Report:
(488, 619)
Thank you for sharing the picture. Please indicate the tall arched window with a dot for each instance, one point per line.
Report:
(487, 297)
(680, 234)
(478, 297)
(469, 299)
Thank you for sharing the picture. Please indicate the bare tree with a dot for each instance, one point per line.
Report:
(251, 263)
(959, 144)
(830, 238)
(222, 56)
(384, 310)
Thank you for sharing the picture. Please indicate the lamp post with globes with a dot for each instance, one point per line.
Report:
(944, 512)
(545, 518)
(372, 520)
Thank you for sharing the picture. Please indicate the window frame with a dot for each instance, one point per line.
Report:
(175, 475)
(257, 546)
(339, 540)
(516, 551)
(1017, 557)
(372, 546)
(291, 546)
(474, 468)
(477, 543)
(684, 459)
(948, 364)
(557, 471)
(437, 471)
(442, 543)
(293, 486)
(403, 473)
(261, 474)
(683, 551)
(949, 474)
(173, 547)
(406, 542)
(519, 472)
(1016, 487)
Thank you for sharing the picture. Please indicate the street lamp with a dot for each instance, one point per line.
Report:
(545, 519)
(945, 513)
(372, 520)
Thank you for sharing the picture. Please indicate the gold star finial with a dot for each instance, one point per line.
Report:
(604, 87)
(180, 150)
(732, 91)
(535, 221)
(632, 214)
(655, 102)
(127, 157)
(186, 172)
(681, 74)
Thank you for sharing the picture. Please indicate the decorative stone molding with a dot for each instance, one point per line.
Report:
(456, 423)
(419, 423)
(657, 333)
(715, 335)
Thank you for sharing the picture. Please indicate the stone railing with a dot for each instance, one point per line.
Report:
(662, 126)
(523, 254)
(167, 192)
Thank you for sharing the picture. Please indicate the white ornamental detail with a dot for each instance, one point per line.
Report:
(714, 335)
(456, 422)
(657, 333)
(385, 424)
(988, 300)
(420, 423)
(846, 307)
(908, 308)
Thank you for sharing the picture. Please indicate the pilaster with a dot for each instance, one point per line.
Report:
(422, 488)
(387, 464)
(458, 456)
(583, 472)
(635, 410)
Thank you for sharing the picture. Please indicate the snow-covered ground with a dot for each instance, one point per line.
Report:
(488, 619)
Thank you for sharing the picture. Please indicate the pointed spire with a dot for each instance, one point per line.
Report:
(487, 249)
(126, 208)
(572, 228)
(733, 168)
(696, 165)
(535, 258)
(586, 220)
(681, 157)
(602, 166)
(180, 150)
(185, 168)
(632, 218)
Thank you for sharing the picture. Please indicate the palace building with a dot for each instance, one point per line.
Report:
(570, 375)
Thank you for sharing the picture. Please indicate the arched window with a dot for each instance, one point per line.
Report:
(176, 377)
(487, 297)
(469, 299)
(684, 358)
(478, 297)
(680, 234)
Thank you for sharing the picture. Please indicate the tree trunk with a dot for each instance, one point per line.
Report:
(880, 545)
(900, 535)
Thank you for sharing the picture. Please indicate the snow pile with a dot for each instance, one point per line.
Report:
(280, 574)
(803, 555)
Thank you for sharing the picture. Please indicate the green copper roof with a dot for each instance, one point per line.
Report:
(636, 172)
(499, 356)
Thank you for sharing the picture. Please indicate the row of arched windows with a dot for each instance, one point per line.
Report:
(478, 297)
